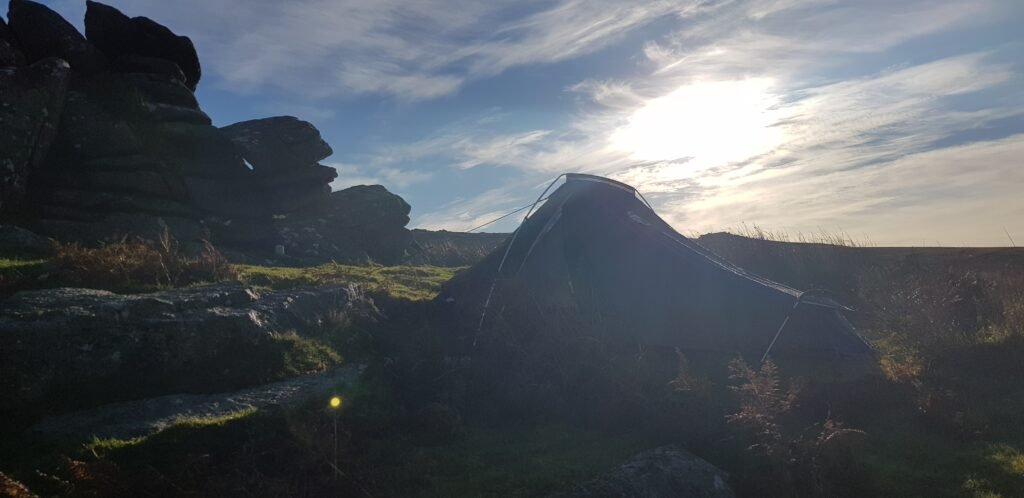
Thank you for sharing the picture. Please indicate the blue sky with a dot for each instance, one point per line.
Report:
(899, 122)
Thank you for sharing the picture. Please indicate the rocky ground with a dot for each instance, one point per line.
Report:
(71, 348)
(146, 416)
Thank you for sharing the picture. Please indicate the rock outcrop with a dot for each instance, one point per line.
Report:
(30, 108)
(66, 347)
(107, 139)
(665, 472)
(142, 417)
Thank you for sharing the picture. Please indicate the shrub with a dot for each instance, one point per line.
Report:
(813, 461)
(762, 402)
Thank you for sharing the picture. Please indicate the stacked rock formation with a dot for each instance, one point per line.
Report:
(102, 136)
(284, 153)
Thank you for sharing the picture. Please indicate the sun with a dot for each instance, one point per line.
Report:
(708, 124)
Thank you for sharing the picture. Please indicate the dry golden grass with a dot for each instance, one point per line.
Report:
(138, 265)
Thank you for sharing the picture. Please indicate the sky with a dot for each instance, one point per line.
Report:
(897, 122)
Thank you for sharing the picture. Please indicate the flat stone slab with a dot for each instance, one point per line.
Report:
(146, 416)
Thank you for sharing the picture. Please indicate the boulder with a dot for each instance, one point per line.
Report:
(67, 347)
(19, 242)
(118, 35)
(278, 144)
(366, 205)
(43, 33)
(356, 225)
(30, 109)
(665, 472)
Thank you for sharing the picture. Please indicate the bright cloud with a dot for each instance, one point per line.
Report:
(710, 123)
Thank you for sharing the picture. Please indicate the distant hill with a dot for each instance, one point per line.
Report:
(444, 248)
(808, 265)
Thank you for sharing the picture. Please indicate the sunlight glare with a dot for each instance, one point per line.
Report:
(710, 123)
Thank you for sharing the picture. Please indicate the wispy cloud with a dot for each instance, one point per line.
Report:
(393, 178)
(410, 50)
(466, 213)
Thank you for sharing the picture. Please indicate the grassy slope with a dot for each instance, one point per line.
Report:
(405, 282)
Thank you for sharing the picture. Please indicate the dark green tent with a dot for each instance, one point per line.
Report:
(596, 248)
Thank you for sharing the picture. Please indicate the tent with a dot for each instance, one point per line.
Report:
(596, 248)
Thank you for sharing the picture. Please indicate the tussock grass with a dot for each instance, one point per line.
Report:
(138, 264)
(127, 265)
(837, 238)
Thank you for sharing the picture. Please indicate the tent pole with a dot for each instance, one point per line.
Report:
(501, 265)
(779, 332)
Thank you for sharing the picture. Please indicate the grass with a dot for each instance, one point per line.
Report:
(104, 446)
(18, 273)
(914, 462)
(134, 265)
(513, 461)
(406, 282)
(16, 264)
(825, 237)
